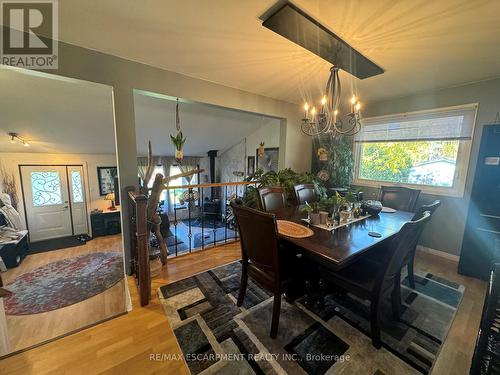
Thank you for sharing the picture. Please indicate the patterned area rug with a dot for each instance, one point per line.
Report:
(63, 283)
(216, 336)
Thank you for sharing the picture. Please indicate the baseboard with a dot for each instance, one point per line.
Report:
(438, 253)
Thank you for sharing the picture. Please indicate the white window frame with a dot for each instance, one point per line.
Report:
(462, 166)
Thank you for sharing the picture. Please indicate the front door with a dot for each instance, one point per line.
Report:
(49, 203)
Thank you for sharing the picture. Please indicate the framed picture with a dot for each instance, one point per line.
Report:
(106, 177)
(251, 166)
(269, 161)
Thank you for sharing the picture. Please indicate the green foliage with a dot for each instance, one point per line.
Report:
(392, 161)
(340, 159)
(178, 141)
(286, 178)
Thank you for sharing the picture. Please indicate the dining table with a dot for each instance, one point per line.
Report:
(340, 247)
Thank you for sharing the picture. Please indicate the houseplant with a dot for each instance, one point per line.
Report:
(340, 161)
(178, 141)
(287, 178)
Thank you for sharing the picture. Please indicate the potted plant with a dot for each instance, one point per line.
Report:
(178, 141)
(312, 212)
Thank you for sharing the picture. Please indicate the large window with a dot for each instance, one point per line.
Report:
(180, 194)
(429, 150)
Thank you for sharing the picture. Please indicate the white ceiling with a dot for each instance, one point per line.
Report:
(58, 115)
(206, 127)
(422, 44)
(55, 115)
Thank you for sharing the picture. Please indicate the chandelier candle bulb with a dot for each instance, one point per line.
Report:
(306, 110)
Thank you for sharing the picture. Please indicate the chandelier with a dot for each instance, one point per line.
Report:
(328, 120)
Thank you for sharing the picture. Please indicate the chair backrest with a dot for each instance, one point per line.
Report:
(400, 248)
(305, 193)
(399, 197)
(272, 198)
(426, 207)
(259, 238)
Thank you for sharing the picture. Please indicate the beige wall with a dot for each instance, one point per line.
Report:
(446, 229)
(90, 162)
(124, 75)
(269, 134)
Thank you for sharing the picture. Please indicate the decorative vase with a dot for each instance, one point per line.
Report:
(179, 155)
(345, 216)
(314, 218)
(323, 216)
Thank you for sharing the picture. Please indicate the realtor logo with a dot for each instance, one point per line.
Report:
(29, 34)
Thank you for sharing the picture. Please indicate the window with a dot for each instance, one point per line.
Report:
(179, 193)
(428, 150)
(157, 169)
(76, 187)
(46, 188)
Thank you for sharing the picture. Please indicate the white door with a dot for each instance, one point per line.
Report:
(46, 200)
(77, 199)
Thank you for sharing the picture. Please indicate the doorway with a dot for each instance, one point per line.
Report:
(55, 200)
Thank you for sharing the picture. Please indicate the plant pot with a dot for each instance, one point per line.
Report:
(323, 217)
(345, 216)
(314, 218)
(179, 155)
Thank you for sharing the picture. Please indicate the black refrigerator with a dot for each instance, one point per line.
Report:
(481, 242)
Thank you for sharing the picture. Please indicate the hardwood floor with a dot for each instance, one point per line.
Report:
(456, 353)
(28, 330)
(124, 345)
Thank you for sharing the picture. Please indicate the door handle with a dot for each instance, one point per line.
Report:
(65, 207)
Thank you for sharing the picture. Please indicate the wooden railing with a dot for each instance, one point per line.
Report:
(214, 221)
(139, 244)
(210, 213)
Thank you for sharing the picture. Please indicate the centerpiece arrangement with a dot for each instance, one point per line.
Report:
(333, 210)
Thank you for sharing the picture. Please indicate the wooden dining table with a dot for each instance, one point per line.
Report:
(338, 248)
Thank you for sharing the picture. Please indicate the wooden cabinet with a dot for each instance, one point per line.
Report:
(105, 223)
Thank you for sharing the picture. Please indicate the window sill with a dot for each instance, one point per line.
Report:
(431, 190)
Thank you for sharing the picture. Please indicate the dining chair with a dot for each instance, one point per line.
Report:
(305, 193)
(272, 198)
(431, 208)
(261, 258)
(373, 281)
(399, 197)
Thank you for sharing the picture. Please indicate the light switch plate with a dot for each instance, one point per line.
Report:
(492, 160)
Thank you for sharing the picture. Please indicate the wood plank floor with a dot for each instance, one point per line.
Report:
(124, 345)
(28, 330)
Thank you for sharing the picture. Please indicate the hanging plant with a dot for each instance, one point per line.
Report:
(178, 141)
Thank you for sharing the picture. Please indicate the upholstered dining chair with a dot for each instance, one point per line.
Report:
(260, 251)
(272, 198)
(431, 208)
(399, 197)
(305, 193)
(373, 281)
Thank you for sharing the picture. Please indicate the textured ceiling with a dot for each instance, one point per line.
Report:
(422, 45)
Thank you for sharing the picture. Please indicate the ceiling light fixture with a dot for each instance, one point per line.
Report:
(328, 119)
(291, 22)
(15, 136)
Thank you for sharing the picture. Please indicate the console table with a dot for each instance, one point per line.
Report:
(105, 223)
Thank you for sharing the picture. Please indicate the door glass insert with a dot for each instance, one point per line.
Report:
(46, 188)
(76, 187)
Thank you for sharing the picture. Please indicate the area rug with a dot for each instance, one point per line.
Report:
(63, 283)
(216, 336)
(207, 223)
